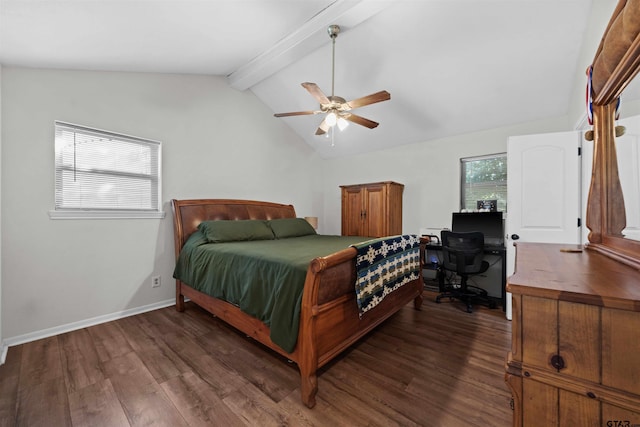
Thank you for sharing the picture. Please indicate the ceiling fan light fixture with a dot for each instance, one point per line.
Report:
(342, 123)
(336, 108)
(331, 119)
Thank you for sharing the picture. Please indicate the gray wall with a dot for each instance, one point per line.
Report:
(430, 172)
(217, 143)
(2, 346)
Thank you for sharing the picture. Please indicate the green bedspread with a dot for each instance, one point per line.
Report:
(263, 278)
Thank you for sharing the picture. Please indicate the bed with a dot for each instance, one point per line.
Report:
(330, 319)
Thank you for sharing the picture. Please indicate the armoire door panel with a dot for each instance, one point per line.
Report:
(352, 212)
(372, 210)
(375, 209)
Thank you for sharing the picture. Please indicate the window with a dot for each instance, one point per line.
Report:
(483, 178)
(102, 174)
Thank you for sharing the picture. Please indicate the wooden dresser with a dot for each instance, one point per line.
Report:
(373, 209)
(575, 355)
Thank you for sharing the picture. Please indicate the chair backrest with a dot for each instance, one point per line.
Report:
(463, 252)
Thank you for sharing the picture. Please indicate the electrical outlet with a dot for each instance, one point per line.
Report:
(155, 281)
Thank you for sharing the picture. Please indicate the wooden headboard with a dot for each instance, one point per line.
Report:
(188, 214)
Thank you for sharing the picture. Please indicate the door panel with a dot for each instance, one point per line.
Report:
(375, 209)
(543, 191)
(352, 209)
(628, 149)
(536, 195)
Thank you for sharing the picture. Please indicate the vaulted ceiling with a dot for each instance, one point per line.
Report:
(451, 66)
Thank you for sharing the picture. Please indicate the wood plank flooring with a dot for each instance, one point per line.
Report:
(436, 367)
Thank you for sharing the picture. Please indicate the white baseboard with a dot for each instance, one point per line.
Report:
(3, 352)
(46, 333)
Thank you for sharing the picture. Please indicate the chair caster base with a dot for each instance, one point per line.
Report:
(468, 300)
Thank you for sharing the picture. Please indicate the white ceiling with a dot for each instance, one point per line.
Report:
(451, 66)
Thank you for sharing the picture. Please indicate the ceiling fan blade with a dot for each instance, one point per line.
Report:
(323, 128)
(296, 113)
(316, 92)
(360, 120)
(383, 95)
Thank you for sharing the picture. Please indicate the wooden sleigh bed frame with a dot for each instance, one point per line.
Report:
(329, 317)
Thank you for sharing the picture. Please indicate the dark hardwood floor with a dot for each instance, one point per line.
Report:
(436, 367)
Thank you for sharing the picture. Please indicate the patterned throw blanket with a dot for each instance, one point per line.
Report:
(384, 265)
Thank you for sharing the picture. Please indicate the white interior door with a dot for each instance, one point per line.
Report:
(543, 191)
(628, 155)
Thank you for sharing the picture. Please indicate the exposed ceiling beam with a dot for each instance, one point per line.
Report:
(310, 36)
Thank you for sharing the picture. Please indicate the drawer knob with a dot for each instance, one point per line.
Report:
(591, 394)
(557, 362)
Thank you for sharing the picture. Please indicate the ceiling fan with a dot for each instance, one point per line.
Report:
(337, 109)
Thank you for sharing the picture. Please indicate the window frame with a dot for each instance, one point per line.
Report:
(463, 180)
(117, 213)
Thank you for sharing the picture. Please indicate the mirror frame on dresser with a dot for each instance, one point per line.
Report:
(616, 63)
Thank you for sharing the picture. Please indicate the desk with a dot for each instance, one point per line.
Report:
(499, 251)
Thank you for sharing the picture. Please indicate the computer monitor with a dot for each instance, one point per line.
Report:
(489, 223)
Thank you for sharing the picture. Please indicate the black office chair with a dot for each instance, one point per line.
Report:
(462, 253)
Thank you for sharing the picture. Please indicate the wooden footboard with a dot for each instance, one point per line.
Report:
(329, 317)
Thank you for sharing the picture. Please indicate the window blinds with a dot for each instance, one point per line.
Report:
(98, 170)
(483, 178)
